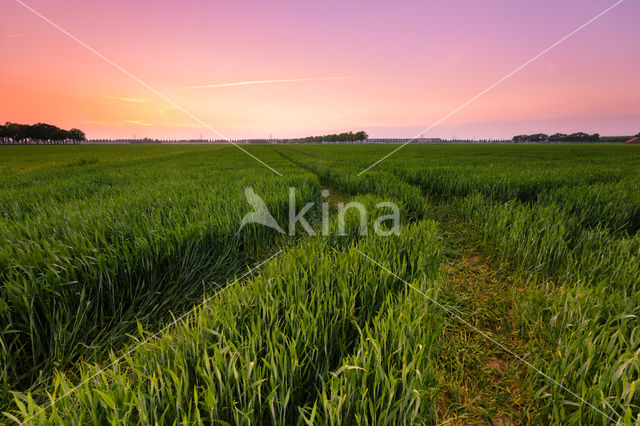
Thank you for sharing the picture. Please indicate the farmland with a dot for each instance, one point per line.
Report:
(510, 294)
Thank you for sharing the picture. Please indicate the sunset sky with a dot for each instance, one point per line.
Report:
(297, 68)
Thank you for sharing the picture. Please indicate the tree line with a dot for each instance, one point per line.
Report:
(558, 137)
(339, 137)
(38, 132)
(616, 138)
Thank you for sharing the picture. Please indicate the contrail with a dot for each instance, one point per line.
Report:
(252, 82)
(128, 99)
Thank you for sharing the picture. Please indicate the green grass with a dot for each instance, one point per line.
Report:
(26, 158)
(88, 253)
(293, 342)
(566, 229)
(536, 245)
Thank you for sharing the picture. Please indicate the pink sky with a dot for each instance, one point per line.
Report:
(390, 68)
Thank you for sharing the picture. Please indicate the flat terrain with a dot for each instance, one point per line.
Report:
(510, 294)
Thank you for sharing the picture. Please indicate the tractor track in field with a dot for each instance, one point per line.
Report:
(480, 383)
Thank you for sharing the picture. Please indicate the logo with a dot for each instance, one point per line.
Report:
(261, 215)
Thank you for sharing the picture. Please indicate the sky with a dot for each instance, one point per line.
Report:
(256, 69)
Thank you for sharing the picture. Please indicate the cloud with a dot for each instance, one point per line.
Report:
(164, 110)
(254, 82)
(14, 35)
(138, 123)
(126, 99)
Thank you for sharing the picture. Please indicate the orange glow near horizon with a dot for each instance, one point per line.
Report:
(251, 69)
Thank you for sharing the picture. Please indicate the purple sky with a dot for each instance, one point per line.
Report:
(293, 68)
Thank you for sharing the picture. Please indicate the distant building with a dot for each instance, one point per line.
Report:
(634, 140)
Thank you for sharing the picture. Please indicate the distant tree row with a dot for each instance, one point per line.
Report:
(558, 137)
(616, 138)
(340, 137)
(38, 132)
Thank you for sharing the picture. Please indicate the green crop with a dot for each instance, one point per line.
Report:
(87, 253)
(104, 246)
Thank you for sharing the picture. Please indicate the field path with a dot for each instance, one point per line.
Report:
(481, 384)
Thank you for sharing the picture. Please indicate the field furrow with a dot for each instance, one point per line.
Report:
(507, 294)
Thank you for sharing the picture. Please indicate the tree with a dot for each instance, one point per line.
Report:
(558, 137)
(538, 137)
(43, 132)
(15, 131)
(39, 131)
(578, 137)
(77, 135)
(341, 137)
(361, 136)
